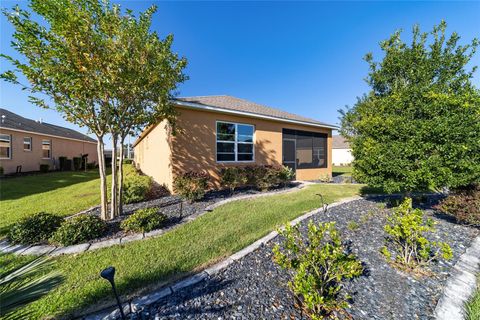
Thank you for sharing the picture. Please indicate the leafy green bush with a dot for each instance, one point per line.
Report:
(233, 177)
(34, 229)
(144, 220)
(77, 163)
(135, 185)
(61, 162)
(191, 185)
(91, 165)
(44, 168)
(417, 128)
(263, 177)
(127, 161)
(319, 264)
(464, 205)
(79, 229)
(406, 229)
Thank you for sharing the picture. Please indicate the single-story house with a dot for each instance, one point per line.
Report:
(25, 144)
(221, 131)
(341, 151)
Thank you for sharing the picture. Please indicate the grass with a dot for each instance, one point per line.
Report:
(61, 193)
(341, 170)
(190, 247)
(472, 308)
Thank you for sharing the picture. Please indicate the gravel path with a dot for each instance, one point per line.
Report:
(255, 288)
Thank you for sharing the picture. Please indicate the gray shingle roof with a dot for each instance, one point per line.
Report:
(237, 104)
(339, 142)
(14, 121)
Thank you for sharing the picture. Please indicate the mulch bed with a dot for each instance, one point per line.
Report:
(256, 288)
(173, 207)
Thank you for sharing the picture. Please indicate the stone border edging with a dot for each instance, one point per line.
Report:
(141, 302)
(461, 285)
(17, 249)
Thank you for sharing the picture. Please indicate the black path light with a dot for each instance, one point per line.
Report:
(109, 274)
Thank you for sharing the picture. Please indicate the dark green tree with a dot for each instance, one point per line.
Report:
(419, 126)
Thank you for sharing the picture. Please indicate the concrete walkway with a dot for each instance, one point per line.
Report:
(460, 286)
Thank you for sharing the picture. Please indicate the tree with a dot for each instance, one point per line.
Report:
(101, 69)
(144, 84)
(419, 126)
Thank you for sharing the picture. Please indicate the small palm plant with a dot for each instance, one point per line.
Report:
(24, 284)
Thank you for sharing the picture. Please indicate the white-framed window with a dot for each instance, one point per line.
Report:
(5, 146)
(46, 149)
(235, 142)
(27, 143)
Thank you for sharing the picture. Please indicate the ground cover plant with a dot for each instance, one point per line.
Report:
(407, 242)
(207, 239)
(319, 263)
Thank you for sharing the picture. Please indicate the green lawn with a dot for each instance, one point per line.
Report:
(207, 239)
(341, 170)
(61, 193)
(473, 306)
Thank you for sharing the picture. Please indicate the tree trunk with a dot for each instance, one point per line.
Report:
(114, 200)
(103, 179)
(120, 177)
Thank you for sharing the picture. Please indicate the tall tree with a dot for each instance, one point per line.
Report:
(101, 68)
(144, 84)
(419, 126)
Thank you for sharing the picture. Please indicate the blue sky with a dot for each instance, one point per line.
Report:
(302, 57)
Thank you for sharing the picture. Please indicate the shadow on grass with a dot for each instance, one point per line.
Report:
(18, 187)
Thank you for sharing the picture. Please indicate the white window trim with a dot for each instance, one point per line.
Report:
(50, 144)
(31, 140)
(235, 142)
(9, 148)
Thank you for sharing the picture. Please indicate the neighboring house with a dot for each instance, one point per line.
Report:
(341, 152)
(221, 131)
(26, 143)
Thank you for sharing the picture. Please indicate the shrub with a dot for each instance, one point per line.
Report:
(233, 177)
(135, 185)
(144, 220)
(61, 162)
(191, 185)
(127, 161)
(91, 165)
(34, 229)
(464, 205)
(44, 168)
(79, 229)
(406, 229)
(1, 171)
(77, 163)
(319, 264)
(285, 175)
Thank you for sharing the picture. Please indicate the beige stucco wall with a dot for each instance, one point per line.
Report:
(31, 160)
(194, 148)
(153, 155)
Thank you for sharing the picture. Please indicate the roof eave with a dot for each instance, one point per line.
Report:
(204, 107)
(193, 105)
